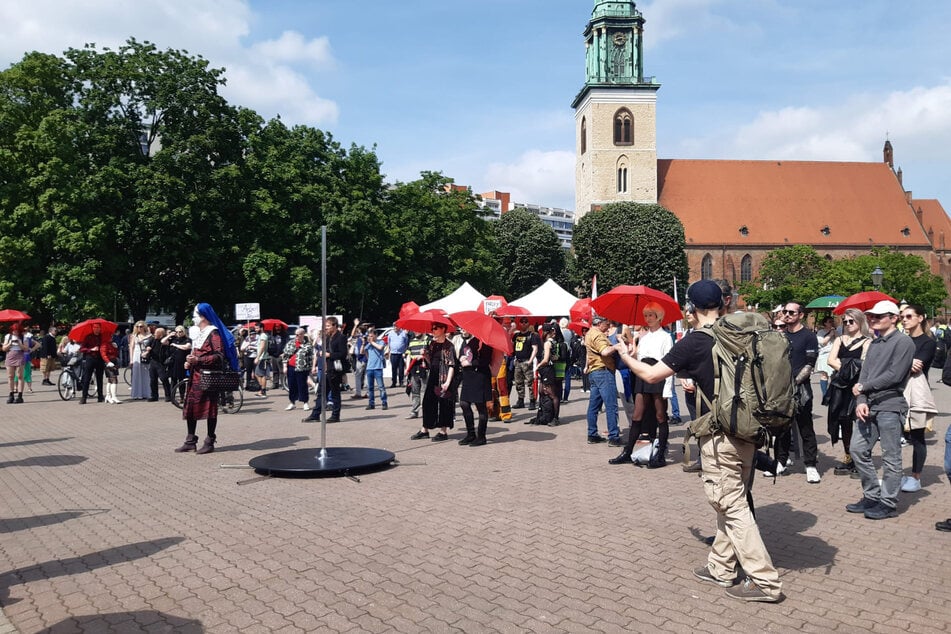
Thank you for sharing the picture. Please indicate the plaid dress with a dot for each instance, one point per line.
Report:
(211, 356)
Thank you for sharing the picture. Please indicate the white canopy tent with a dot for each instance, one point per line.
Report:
(463, 298)
(549, 300)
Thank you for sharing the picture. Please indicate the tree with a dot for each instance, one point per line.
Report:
(530, 251)
(630, 243)
(786, 274)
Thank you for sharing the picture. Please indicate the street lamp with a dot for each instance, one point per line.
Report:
(877, 276)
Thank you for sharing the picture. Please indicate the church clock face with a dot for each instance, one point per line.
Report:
(620, 39)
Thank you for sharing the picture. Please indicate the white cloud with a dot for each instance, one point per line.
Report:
(543, 178)
(259, 75)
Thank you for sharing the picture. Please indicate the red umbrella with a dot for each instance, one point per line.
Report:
(625, 304)
(516, 312)
(409, 308)
(863, 301)
(484, 328)
(269, 324)
(492, 304)
(581, 309)
(10, 314)
(423, 321)
(84, 328)
(578, 326)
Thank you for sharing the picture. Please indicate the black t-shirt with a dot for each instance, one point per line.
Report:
(522, 343)
(692, 358)
(804, 349)
(925, 348)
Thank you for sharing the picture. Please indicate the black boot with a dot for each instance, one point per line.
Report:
(520, 404)
(480, 434)
(191, 440)
(468, 439)
(622, 458)
(532, 405)
(19, 398)
(208, 446)
(12, 397)
(659, 458)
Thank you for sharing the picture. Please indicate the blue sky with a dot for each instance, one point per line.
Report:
(481, 89)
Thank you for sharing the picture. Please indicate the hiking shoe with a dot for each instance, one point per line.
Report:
(943, 525)
(880, 512)
(615, 442)
(594, 440)
(693, 467)
(910, 484)
(703, 574)
(812, 475)
(843, 468)
(749, 591)
(861, 506)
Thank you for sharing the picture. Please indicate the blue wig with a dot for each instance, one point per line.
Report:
(206, 311)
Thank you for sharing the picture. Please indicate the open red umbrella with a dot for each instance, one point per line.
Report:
(625, 304)
(409, 308)
(863, 301)
(579, 326)
(423, 321)
(484, 328)
(84, 328)
(492, 304)
(517, 312)
(269, 324)
(10, 314)
(581, 309)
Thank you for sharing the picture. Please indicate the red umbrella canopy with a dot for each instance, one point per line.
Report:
(423, 321)
(491, 304)
(581, 309)
(409, 308)
(863, 301)
(625, 304)
(269, 324)
(577, 327)
(484, 328)
(516, 312)
(84, 328)
(10, 314)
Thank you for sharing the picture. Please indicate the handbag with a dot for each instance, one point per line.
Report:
(218, 380)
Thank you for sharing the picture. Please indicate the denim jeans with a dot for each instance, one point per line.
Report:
(375, 377)
(603, 391)
(947, 453)
(359, 374)
(885, 427)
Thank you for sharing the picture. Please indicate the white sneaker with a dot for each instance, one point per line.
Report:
(289, 407)
(306, 407)
(790, 461)
(910, 484)
(812, 475)
(780, 468)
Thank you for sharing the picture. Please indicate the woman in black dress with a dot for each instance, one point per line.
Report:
(179, 347)
(475, 358)
(438, 396)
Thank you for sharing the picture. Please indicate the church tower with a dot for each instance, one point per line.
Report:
(615, 112)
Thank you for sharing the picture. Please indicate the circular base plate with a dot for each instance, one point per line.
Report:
(338, 461)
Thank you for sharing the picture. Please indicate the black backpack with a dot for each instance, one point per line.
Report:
(942, 338)
(578, 351)
(275, 345)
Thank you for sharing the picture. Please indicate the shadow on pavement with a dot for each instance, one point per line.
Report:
(45, 461)
(37, 441)
(142, 621)
(262, 445)
(800, 552)
(13, 524)
(529, 435)
(84, 563)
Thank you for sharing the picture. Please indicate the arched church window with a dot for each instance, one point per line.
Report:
(623, 127)
(622, 180)
(746, 268)
(584, 135)
(706, 267)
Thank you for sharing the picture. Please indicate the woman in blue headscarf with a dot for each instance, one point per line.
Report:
(212, 349)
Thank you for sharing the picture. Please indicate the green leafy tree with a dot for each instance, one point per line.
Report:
(630, 243)
(530, 251)
(786, 274)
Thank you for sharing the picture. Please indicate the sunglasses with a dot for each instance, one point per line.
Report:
(438, 327)
(790, 312)
(779, 326)
(848, 322)
(909, 316)
(872, 317)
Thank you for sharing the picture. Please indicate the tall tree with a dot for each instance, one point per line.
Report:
(786, 274)
(630, 243)
(530, 251)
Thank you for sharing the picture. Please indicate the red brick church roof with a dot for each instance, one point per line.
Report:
(774, 203)
(935, 222)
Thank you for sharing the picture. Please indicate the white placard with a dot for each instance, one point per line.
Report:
(247, 312)
(491, 305)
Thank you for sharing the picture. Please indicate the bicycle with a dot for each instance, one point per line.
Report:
(70, 380)
(228, 402)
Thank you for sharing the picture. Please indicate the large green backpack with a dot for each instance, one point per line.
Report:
(754, 394)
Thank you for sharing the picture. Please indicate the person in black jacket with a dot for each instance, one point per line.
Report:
(335, 352)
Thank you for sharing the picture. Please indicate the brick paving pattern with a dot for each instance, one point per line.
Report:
(105, 529)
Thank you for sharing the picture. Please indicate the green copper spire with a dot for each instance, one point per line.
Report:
(614, 42)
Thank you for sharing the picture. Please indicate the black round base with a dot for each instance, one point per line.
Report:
(338, 461)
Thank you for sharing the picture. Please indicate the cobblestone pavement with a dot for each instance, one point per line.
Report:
(105, 529)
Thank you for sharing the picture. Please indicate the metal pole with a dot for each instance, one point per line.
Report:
(323, 351)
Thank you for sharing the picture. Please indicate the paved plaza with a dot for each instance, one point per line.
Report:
(105, 529)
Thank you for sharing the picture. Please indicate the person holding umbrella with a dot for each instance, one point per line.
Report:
(475, 360)
(14, 346)
(438, 403)
(91, 349)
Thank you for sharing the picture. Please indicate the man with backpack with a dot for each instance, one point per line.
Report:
(727, 460)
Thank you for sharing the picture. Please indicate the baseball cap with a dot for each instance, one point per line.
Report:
(597, 320)
(705, 294)
(883, 307)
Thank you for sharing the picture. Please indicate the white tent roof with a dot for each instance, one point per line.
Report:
(548, 300)
(463, 298)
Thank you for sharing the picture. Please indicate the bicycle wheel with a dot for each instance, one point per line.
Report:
(178, 393)
(231, 402)
(127, 375)
(67, 385)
